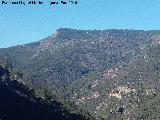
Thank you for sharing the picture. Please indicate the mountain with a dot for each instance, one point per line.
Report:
(18, 102)
(111, 73)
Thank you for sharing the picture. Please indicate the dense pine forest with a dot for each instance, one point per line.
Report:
(19, 102)
(91, 74)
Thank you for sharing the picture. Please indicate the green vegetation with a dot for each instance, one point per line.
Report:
(109, 74)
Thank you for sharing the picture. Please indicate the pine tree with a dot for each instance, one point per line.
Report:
(8, 62)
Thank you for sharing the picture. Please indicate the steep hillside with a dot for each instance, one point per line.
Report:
(68, 55)
(110, 73)
(128, 92)
(18, 102)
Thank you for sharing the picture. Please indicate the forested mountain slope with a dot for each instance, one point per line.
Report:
(18, 102)
(110, 73)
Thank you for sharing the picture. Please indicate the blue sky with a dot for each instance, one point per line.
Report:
(21, 24)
